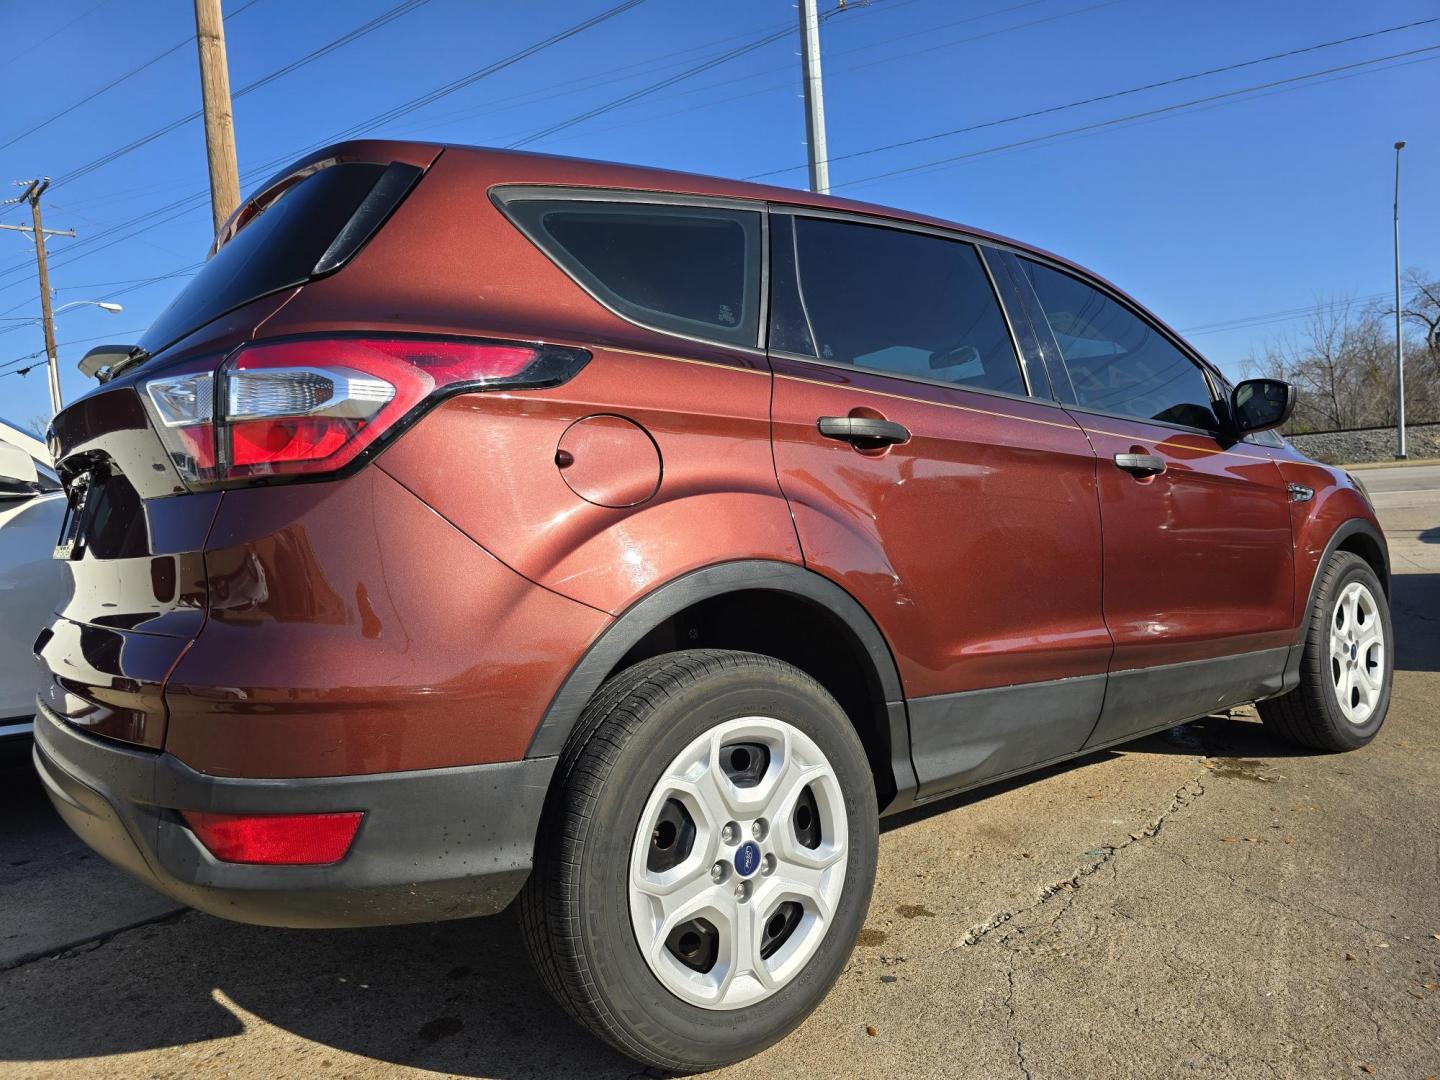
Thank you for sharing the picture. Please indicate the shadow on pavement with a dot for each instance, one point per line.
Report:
(1415, 612)
(457, 998)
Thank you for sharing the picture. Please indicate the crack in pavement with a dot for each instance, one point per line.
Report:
(90, 944)
(1191, 790)
(1288, 904)
(1010, 1025)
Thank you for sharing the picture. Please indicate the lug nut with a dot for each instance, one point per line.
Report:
(767, 865)
(759, 829)
(719, 872)
(730, 833)
(742, 891)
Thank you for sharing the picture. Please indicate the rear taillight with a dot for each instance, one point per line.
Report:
(312, 406)
(275, 839)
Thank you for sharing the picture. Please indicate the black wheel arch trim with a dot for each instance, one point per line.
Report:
(680, 593)
(1344, 531)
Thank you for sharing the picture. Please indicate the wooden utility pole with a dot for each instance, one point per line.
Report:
(33, 190)
(219, 119)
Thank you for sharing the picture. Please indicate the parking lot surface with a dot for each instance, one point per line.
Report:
(1208, 902)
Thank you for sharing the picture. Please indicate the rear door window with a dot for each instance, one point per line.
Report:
(692, 270)
(1118, 362)
(306, 231)
(893, 301)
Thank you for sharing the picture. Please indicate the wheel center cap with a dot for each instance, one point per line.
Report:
(747, 858)
(1354, 650)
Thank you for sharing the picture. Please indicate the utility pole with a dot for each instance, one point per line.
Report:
(1399, 345)
(33, 190)
(814, 97)
(219, 119)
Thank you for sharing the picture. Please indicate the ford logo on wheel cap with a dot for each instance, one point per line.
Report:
(747, 858)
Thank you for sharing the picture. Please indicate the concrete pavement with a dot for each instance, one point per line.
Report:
(1205, 903)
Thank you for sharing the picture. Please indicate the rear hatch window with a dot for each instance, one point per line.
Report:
(311, 229)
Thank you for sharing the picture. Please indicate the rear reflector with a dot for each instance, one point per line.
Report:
(275, 839)
(311, 406)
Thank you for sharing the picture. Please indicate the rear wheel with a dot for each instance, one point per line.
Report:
(706, 858)
(1347, 665)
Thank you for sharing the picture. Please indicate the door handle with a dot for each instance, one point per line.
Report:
(862, 429)
(1140, 464)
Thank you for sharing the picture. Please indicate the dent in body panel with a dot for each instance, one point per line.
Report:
(975, 545)
(353, 631)
(487, 463)
(1198, 559)
(960, 740)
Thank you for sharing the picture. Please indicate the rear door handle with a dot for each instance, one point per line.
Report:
(862, 429)
(1141, 464)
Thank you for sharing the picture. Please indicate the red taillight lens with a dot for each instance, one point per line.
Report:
(310, 406)
(275, 839)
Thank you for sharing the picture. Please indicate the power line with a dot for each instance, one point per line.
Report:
(387, 16)
(188, 203)
(788, 84)
(1245, 322)
(56, 33)
(1108, 97)
(646, 91)
(116, 82)
(61, 345)
(1164, 109)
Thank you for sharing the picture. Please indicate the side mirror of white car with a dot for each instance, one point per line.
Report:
(18, 477)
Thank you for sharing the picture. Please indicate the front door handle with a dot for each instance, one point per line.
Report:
(1141, 464)
(863, 429)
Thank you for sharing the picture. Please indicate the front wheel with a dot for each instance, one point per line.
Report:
(706, 858)
(1347, 664)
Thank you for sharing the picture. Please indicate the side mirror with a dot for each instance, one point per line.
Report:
(18, 478)
(1261, 404)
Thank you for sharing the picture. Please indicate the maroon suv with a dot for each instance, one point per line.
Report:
(481, 524)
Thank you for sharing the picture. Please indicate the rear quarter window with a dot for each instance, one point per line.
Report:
(692, 270)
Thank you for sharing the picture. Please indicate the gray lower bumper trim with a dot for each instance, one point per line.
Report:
(434, 844)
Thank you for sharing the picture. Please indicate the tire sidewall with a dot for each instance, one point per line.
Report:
(696, 1036)
(1355, 735)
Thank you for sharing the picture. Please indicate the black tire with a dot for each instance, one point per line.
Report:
(1310, 715)
(575, 907)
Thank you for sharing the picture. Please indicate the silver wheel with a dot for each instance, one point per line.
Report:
(738, 863)
(1357, 653)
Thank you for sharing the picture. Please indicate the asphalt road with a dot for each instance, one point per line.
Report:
(1205, 903)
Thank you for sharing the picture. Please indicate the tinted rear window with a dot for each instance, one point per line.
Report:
(276, 250)
(689, 269)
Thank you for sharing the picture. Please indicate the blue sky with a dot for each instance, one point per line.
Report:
(1239, 210)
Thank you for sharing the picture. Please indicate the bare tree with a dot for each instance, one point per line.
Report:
(1341, 360)
(1422, 306)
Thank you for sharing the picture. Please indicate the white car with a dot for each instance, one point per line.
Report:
(32, 506)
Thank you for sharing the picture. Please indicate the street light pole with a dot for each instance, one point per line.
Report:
(1399, 344)
(814, 97)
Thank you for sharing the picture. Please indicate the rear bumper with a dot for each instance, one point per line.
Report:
(434, 844)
